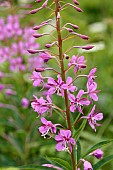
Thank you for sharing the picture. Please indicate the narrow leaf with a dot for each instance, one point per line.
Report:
(102, 162)
(78, 132)
(78, 151)
(98, 145)
(61, 162)
(38, 167)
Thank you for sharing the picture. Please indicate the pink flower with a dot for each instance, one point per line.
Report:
(87, 166)
(47, 126)
(37, 78)
(45, 56)
(78, 62)
(92, 92)
(69, 86)
(56, 86)
(65, 141)
(91, 76)
(77, 102)
(24, 102)
(98, 153)
(93, 117)
(41, 105)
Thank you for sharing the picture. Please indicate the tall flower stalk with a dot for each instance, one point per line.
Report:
(75, 99)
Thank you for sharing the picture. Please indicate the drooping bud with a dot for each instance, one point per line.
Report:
(88, 47)
(49, 45)
(37, 27)
(44, 4)
(34, 11)
(85, 37)
(69, 29)
(33, 51)
(39, 35)
(45, 56)
(76, 2)
(78, 9)
(74, 26)
(39, 69)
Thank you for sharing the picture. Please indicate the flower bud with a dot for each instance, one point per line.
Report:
(35, 10)
(37, 35)
(49, 45)
(83, 37)
(98, 153)
(78, 9)
(44, 4)
(45, 56)
(33, 51)
(69, 29)
(74, 26)
(39, 69)
(76, 2)
(88, 47)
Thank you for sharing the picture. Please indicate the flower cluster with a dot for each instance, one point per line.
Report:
(64, 86)
(14, 57)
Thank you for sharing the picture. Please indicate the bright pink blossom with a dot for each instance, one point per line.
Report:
(93, 117)
(47, 127)
(91, 76)
(69, 85)
(41, 105)
(56, 86)
(87, 166)
(77, 62)
(92, 92)
(77, 102)
(36, 78)
(65, 141)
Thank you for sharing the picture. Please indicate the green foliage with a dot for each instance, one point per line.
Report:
(102, 162)
(61, 162)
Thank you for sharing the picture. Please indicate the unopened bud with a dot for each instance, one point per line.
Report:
(49, 45)
(75, 26)
(32, 51)
(44, 4)
(76, 2)
(69, 29)
(37, 27)
(37, 35)
(35, 10)
(78, 9)
(39, 69)
(88, 47)
(83, 37)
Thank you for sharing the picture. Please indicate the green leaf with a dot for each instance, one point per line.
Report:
(38, 167)
(60, 162)
(98, 145)
(78, 151)
(78, 132)
(102, 162)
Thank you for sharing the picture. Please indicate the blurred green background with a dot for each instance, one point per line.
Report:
(23, 145)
